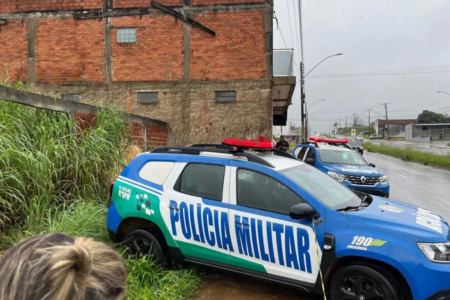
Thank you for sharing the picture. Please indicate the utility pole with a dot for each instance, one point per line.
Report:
(354, 119)
(369, 119)
(387, 120)
(302, 76)
(346, 122)
(340, 126)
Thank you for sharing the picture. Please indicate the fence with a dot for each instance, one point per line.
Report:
(433, 134)
(147, 133)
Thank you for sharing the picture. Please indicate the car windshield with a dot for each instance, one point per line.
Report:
(331, 156)
(322, 187)
(354, 144)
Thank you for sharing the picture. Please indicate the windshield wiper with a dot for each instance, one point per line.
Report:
(351, 207)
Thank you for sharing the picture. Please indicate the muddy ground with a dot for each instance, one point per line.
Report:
(226, 286)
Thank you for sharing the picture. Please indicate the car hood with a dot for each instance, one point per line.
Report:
(405, 218)
(353, 170)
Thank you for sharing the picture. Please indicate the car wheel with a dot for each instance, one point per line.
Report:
(362, 282)
(144, 242)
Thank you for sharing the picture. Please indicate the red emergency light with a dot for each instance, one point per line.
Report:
(331, 141)
(260, 143)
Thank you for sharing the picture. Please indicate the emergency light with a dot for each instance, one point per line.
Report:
(260, 143)
(331, 141)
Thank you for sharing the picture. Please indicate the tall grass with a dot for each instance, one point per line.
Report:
(47, 161)
(54, 177)
(409, 154)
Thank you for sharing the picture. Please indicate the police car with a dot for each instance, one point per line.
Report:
(335, 158)
(266, 214)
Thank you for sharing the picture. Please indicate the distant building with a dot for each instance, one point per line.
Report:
(428, 132)
(396, 127)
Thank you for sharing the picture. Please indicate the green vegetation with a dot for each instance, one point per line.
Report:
(427, 117)
(409, 154)
(359, 130)
(55, 177)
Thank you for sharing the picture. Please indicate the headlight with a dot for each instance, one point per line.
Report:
(338, 177)
(383, 179)
(436, 252)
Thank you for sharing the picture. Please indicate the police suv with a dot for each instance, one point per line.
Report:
(335, 158)
(264, 213)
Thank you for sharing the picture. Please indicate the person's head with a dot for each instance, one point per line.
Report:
(282, 138)
(60, 267)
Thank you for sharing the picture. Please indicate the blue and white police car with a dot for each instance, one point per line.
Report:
(266, 214)
(335, 158)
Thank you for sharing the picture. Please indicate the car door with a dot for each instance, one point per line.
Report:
(310, 154)
(266, 239)
(197, 213)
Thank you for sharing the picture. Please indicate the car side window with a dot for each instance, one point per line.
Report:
(259, 191)
(301, 154)
(202, 180)
(310, 154)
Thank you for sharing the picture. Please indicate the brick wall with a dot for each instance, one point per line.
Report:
(237, 50)
(12, 6)
(156, 136)
(144, 3)
(69, 51)
(214, 2)
(85, 121)
(14, 51)
(157, 54)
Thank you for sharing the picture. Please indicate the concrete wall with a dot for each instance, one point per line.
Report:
(186, 66)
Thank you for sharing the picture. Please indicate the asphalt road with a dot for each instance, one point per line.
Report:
(417, 184)
(424, 186)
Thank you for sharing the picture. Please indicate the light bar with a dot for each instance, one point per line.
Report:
(260, 143)
(331, 141)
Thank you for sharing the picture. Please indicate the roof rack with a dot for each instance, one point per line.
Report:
(220, 146)
(197, 150)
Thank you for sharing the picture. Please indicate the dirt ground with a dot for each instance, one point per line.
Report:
(227, 286)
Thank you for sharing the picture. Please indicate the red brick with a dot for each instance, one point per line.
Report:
(237, 50)
(145, 3)
(69, 51)
(14, 6)
(14, 51)
(215, 2)
(157, 54)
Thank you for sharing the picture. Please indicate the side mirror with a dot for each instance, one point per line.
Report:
(303, 211)
(310, 161)
(372, 165)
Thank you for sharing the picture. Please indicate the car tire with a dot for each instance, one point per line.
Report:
(146, 242)
(364, 282)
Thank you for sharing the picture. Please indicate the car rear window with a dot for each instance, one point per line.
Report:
(156, 171)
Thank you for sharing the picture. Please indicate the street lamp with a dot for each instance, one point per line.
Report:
(443, 92)
(302, 95)
(337, 54)
(315, 103)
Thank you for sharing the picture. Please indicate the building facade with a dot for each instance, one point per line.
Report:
(203, 66)
(396, 127)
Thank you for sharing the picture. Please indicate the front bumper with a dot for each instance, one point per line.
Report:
(377, 190)
(430, 281)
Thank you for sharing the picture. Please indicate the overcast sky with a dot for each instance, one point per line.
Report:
(375, 36)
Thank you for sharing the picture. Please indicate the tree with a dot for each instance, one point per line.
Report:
(430, 117)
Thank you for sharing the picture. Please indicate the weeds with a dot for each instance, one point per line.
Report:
(54, 177)
(409, 154)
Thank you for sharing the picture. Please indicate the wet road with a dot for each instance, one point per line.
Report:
(417, 184)
(414, 183)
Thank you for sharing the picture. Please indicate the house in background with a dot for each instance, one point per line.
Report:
(396, 127)
(428, 132)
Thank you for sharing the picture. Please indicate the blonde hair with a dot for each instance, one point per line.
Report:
(59, 267)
